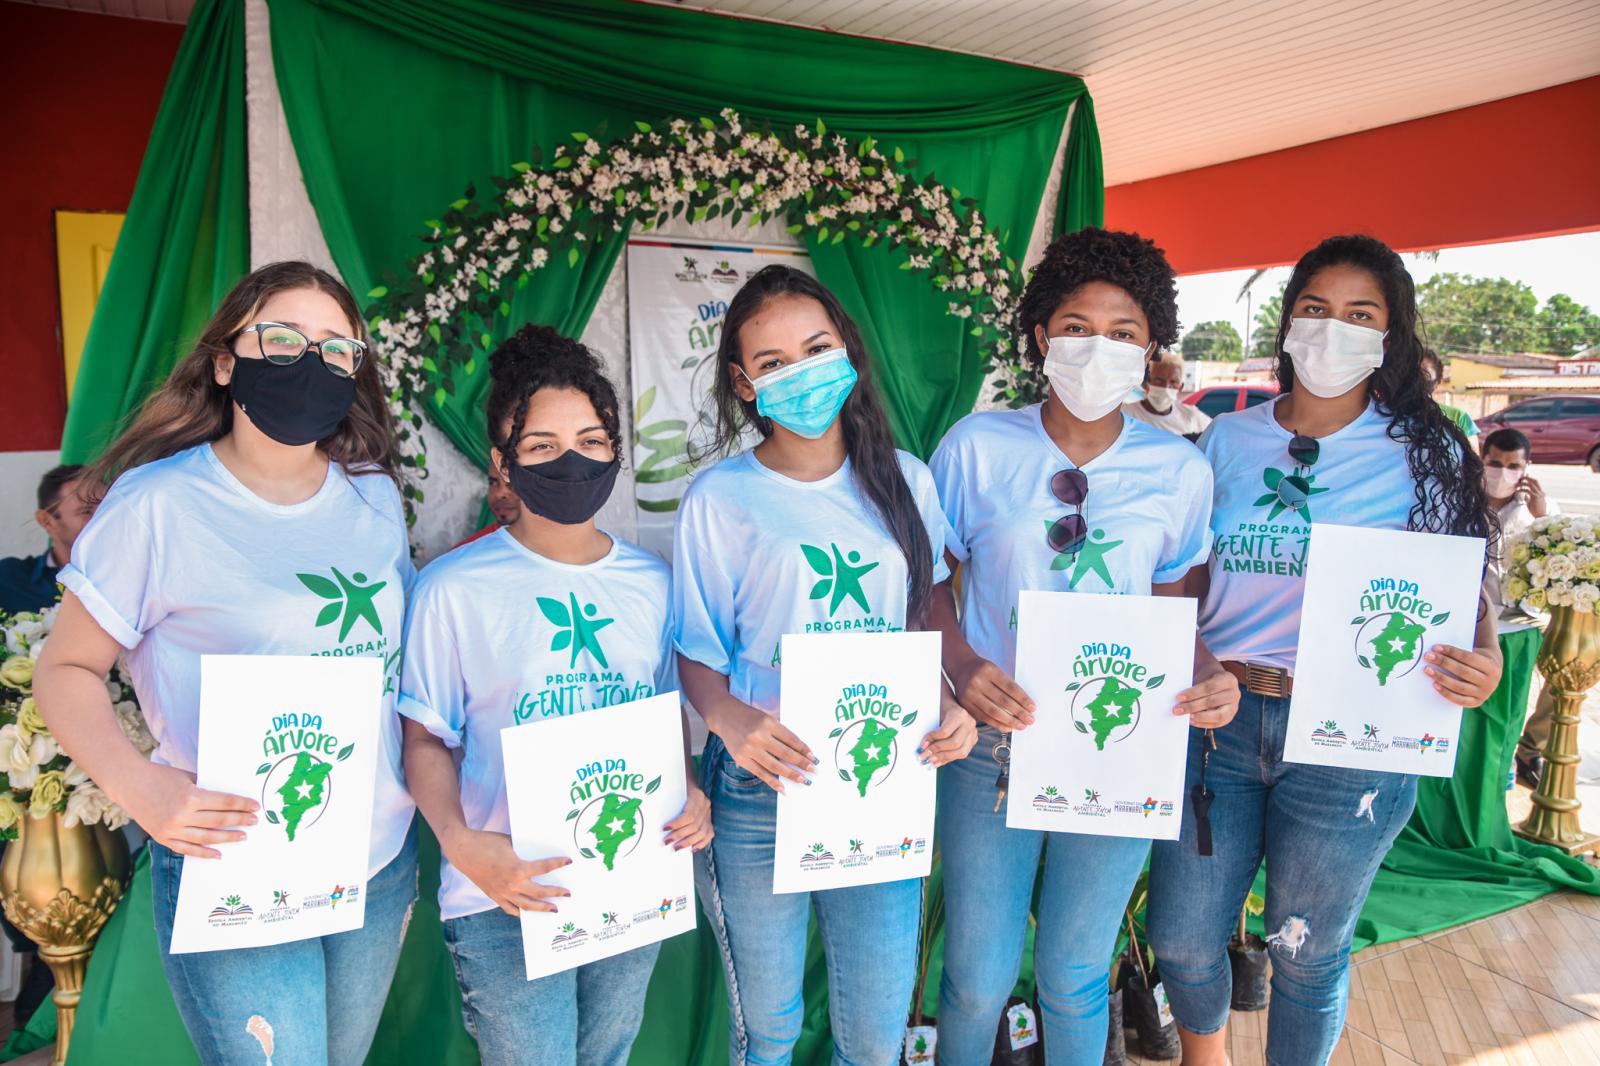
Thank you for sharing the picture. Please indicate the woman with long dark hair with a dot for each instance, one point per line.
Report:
(480, 657)
(266, 459)
(823, 502)
(1069, 495)
(1354, 439)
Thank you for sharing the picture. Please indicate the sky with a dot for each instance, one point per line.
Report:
(1548, 265)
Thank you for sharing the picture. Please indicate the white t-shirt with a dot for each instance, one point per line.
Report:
(1148, 511)
(497, 635)
(1361, 478)
(181, 560)
(758, 555)
(1184, 418)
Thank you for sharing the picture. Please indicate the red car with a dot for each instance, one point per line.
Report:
(1217, 400)
(1560, 429)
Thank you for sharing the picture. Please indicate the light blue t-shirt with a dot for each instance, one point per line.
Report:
(1148, 511)
(497, 635)
(758, 555)
(1361, 478)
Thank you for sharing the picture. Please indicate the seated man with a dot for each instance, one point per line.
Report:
(1162, 405)
(29, 583)
(1517, 499)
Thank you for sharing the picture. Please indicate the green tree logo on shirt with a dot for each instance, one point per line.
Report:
(1283, 488)
(841, 576)
(576, 628)
(352, 600)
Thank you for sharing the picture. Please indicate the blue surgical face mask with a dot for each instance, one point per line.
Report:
(807, 396)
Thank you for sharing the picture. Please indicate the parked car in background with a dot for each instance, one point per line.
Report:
(1560, 429)
(1217, 400)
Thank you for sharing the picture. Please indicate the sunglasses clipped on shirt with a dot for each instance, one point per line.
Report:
(1067, 533)
(1294, 489)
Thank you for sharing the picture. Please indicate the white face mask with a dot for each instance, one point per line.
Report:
(1093, 375)
(1162, 397)
(1332, 357)
(1500, 481)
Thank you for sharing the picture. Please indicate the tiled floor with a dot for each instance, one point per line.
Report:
(1518, 989)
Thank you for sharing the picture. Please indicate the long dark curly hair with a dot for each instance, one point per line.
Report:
(867, 439)
(1450, 496)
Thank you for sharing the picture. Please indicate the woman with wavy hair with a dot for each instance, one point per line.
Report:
(746, 571)
(256, 485)
(1354, 439)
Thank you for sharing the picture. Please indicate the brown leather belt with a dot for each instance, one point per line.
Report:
(1262, 680)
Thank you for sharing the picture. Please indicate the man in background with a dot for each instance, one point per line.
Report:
(1163, 404)
(29, 583)
(1433, 374)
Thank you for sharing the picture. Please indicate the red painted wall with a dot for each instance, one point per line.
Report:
(80, 94)
(1525, 166)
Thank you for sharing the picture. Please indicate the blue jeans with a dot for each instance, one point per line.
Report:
(989, 873)
(321, 997)
(597, 1007)
(1323, 831)
(869, 935)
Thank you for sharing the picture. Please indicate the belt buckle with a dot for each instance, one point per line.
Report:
(1265, 680)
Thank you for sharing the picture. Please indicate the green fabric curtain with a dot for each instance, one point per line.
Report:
(439, 95)
(186, 240)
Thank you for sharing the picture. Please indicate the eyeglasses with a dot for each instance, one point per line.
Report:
(1067, 533)
(283, 345)
(1294, 489)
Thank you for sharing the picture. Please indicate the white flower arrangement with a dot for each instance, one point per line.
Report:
(36, 776)
(431, 320)
(1556, 563)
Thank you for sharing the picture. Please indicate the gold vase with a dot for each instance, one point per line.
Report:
(1569, 659)
(58, 885)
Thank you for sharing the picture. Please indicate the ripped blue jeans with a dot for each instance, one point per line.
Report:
(1323, 831)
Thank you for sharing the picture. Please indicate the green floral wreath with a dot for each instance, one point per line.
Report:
(437, 314)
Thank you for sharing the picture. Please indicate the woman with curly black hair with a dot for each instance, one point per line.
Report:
(1068, 495)
(546, 617)
(1354, 439)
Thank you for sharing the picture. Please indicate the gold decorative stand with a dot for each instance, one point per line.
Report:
(1569, 658)
(58, 885)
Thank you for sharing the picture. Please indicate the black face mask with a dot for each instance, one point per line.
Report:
(296, 404)
(569, 489)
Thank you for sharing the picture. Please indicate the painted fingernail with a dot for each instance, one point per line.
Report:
(815, 761)
(808, 782)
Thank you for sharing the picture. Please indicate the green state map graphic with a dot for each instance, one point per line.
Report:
(617, 823)
(1396, 645)
(303, 791)
(1111, 708)
(871, 752)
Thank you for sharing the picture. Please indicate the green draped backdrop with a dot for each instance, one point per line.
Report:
(394, 107)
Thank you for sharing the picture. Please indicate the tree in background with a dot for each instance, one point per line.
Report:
(1214, 341)
(1462, 313)
(1264, 329)
(1567, 326)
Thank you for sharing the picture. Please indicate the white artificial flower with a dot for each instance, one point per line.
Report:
(87, 805)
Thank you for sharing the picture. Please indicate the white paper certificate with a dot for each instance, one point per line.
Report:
(599, 788)
(298, 734)
(862, 702)
(1105, 753)
(1376, 601)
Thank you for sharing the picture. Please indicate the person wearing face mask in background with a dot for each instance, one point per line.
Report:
(824, 500)
(266, 458)
(1162, 405)
(1517, 499)
(1070, 495)
(476, 664)
(1353, 439)
(1433, 375)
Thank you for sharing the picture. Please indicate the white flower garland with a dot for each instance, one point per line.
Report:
(435, 317)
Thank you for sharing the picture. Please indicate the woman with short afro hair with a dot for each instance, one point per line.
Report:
(1068, 495)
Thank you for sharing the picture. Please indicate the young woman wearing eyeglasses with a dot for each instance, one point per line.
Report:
(258, 478)
(1353, 439)
(1068, 495)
